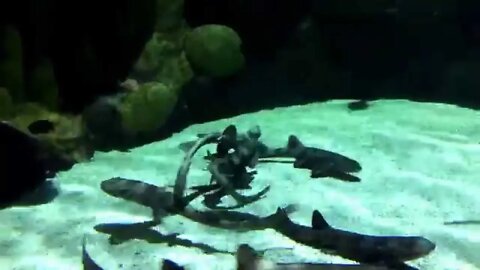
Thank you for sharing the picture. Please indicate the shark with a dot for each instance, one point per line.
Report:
(390, 251)
(322, 163)
(162, 203)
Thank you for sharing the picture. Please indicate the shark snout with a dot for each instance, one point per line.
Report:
(423, 246)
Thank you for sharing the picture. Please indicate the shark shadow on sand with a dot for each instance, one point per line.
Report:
(122, 232)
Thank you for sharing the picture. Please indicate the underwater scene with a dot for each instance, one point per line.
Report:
(240, 134)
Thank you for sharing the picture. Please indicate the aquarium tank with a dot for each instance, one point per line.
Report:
(240, 134)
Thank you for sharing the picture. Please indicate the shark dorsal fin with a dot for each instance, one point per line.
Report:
(171, 265)
(318, 222)
(294, 142)
(230, 132)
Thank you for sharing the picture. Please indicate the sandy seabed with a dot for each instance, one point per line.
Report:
(421, 167)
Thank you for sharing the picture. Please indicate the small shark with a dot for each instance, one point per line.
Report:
(322, 163)
(162, 203)
(389, 251)
(156, 198)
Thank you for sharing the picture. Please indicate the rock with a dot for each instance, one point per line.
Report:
(163, 60)
(21, 169)
(148, 108)
(214, 50)
(103, 123)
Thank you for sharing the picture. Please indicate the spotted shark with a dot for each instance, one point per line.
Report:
(162, 203)
(390, 251)
(248, 146)
(322, 163)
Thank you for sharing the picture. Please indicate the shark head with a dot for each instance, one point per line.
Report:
(409, 248)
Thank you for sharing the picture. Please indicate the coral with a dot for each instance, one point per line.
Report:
(214, 50)
(146, 109)
(11, 73)
(6, 104)
(163, 60)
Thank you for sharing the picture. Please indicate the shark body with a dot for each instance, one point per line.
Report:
(390, 251)
(162, 203)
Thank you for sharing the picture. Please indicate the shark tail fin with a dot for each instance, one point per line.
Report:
(318, 221)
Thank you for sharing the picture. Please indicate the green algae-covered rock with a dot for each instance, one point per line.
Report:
(214, 50)
(146, 109)
(163, 60)
(6, 104)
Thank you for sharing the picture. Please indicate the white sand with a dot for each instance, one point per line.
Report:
(421, 167)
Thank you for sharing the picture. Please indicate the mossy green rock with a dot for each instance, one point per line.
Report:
(6, 104)
(163, 60)
(214, 50)
(146, 109)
